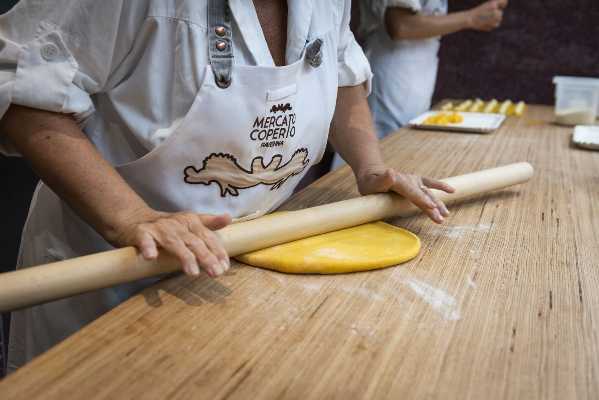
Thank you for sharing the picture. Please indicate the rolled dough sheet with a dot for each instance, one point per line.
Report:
(361, 248)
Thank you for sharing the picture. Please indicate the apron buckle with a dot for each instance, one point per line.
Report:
(222, 81)
(314, 53)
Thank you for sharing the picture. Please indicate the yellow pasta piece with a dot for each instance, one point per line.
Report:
(477, 106)
(491, 106)
(444, 118)
(464, 105)
(519, 108)
(455, 118)
(505, 107)
(447, 106)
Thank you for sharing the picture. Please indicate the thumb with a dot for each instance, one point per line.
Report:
(215, 222)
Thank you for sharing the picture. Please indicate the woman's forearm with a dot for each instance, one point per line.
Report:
(404, 24)
(352, 131)
(352, 135)
(64, 158)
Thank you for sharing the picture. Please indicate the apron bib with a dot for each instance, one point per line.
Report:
(247, 140)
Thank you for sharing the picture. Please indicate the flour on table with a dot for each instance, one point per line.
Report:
(438, 299)
(458, 231)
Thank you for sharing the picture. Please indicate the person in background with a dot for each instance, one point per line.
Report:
(402, 39)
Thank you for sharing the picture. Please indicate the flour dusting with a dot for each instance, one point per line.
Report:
(363, 330)
(363, 292)
(470, 282)
(439, 300)
(314, 286)
(457, 231)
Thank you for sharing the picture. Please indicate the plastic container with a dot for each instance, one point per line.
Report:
(576, 100)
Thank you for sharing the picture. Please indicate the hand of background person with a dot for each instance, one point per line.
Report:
(187, 236)
(412, 187)
(487, 16)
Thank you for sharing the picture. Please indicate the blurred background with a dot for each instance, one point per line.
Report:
(538, 39)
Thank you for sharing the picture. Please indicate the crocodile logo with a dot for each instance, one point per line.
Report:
(224, 170)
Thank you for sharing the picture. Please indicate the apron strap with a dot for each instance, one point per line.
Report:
(220, 42)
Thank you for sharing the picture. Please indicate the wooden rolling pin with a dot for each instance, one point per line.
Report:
(35, 285)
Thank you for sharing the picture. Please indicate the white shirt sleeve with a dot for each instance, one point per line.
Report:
(55, 54)
(378, 7)
(373, 12)
(353, 66)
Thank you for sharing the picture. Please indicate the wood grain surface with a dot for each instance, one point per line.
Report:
(501, 303)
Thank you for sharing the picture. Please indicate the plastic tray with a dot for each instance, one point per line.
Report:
(473, 122)
(586, 136)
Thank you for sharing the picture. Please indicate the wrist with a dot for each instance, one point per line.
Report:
(367, 169)
(467, 18)
(116, 230)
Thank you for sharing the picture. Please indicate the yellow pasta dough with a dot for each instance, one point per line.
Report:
(361, 248)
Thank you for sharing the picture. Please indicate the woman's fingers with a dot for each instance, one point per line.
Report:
(411, 187)
(146, 245)
(189, 238)
(439, 204)
(435, 184)
(213, 244)
(204, 257)
(181, 251)
(422, 200)
(415, 189)
(411, 190)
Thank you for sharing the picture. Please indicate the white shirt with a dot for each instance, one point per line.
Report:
(372, 12)
(405, 70)
(129, 70)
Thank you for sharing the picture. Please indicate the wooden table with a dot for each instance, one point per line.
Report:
(502, 302)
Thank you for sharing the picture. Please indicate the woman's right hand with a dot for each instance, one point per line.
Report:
(188, 236)
(487, 16)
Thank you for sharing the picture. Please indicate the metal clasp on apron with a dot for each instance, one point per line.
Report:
(220, 43)
(314, 53)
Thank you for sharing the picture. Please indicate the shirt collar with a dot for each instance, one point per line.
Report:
(298, 28)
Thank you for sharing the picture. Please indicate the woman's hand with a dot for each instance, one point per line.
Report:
(412, 187)
(487, 16)
(187, 236)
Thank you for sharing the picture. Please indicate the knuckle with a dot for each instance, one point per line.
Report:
(169, 241)
(211, 237)
(199, 247)
(140, 234)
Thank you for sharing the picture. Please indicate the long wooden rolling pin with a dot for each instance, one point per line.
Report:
(30, 286)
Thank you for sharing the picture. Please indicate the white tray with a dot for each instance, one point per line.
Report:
(586, 136)
(473, 122)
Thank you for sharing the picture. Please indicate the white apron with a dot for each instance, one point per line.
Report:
(245, 143)
(405, 72)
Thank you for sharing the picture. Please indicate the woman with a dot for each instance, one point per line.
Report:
(402, 39)
(152, 123)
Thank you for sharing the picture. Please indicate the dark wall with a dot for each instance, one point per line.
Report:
(18, 182)
(538, 39)
(17, 186)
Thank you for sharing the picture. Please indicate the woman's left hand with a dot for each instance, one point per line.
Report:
(414, 188)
